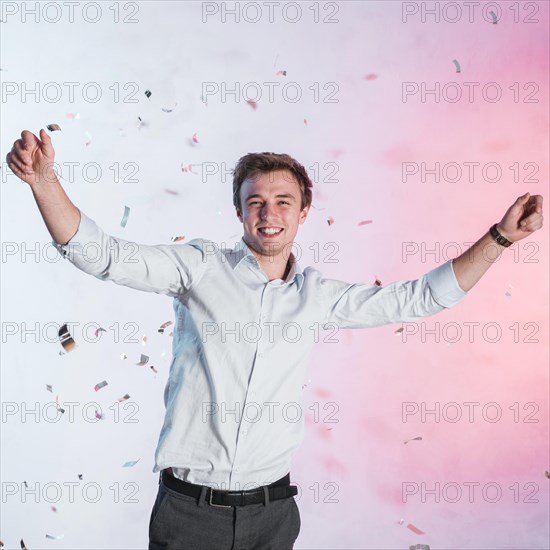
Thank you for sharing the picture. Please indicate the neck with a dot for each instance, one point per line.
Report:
(273, 266)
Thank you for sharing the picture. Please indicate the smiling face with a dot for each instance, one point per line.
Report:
(272, 200)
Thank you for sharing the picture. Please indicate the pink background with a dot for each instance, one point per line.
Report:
(370, 132)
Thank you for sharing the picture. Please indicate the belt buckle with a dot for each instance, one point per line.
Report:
(217, 505)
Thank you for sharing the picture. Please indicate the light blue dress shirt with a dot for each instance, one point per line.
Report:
(241, 343)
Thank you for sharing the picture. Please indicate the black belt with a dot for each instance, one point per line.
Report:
(277, 490)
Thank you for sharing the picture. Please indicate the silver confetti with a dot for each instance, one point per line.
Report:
(125, 216)
(100, 385)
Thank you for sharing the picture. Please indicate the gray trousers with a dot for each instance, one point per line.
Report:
(180, 522)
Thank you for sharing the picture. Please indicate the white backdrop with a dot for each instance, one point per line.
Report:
(351, 476)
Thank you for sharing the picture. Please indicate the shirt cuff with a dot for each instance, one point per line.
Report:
(444, 286)
(86, 232)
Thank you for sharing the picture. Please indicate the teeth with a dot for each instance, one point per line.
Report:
(270, 231)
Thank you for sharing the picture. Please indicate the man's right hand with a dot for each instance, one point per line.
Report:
(31, 159)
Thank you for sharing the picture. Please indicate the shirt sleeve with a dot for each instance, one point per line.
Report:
(164, 269)
(361, 305)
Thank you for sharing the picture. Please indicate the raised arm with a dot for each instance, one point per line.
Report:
(360, 305)
(164, 268)
(32, 160)
(521, 219)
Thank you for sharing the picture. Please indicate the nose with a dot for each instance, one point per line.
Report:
(267, 212)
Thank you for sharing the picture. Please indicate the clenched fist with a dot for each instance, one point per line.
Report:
(522, 218)
(32, 159)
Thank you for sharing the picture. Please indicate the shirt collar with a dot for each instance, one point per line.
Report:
(244, 253)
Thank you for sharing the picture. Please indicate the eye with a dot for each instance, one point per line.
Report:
(284, 202)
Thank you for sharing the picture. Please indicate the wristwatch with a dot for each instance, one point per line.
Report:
(500, 239)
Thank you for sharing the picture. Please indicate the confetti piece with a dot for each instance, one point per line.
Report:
(177, 238)
(171, 192)
(130, 463)
(53, 509)
(413, 439)
(66, 339)
(23, 547)
(280, 73)
(49, 388)
(124, 397)
(26, 486)
(370, 76)
(456, 65)
(305, 121)
(252, 103)
(73, 115)
(88, 137)
(1, 543)
(163, 354)
(53, 127)
(123, 356)
(100, 385)
(494, 16)
(419, 547)
(125, 216)
(170, 110)
(171, 334)
(143, 340)
(148, 93)
(80, 477)
(378, 282)
(55, 537)
(364, 222)
(547, 474)
(140, 123)
(399, 330)
(154, 369)
(330, 220)
(98, 415)
(415, 529)
(57, 405)
(98, 331)
(143, 360)
(194, 138)
(187, 168)
(401, 521)
(163, 326)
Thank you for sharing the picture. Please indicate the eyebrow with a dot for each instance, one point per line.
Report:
(285, 196)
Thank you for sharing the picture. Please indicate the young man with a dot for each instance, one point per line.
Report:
(243, 332)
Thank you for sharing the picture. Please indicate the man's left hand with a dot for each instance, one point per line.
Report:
(522, 218)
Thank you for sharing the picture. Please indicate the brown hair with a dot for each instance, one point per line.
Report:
(254, 164)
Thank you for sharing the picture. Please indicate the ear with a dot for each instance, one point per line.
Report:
(303, 214)
(239, 214)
